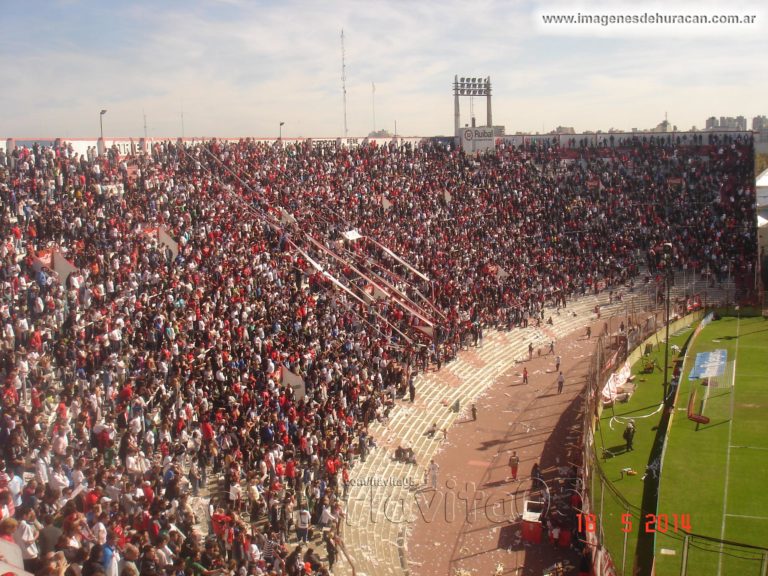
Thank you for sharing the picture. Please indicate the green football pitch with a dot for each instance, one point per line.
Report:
(715, 474)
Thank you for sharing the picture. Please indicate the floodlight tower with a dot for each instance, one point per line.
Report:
(471, 86)
(456, 112)
(489, 115)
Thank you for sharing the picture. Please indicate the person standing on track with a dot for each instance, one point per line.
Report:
(525, 375)
(514, 462)
(560, 383)
(432, 470)
(557, 364)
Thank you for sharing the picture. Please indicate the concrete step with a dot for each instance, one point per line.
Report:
(464, 379)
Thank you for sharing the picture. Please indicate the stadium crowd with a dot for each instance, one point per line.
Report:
(132, 385)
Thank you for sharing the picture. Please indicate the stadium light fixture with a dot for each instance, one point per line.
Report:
(281, 131)
(472, 86)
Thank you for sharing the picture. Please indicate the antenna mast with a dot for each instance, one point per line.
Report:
(344, 81)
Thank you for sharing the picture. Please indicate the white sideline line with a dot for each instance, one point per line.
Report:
(728, 450)
(752, 517)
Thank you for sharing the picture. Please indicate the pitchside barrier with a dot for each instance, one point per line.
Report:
(604, 362)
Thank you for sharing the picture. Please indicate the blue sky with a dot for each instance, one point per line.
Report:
(239, 67)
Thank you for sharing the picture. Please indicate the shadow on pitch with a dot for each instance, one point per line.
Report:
(708, 426)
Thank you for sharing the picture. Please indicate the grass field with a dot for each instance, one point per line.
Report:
(716, 472)
(630, 493)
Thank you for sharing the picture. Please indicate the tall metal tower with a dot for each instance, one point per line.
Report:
(344, 80)
(471, 86)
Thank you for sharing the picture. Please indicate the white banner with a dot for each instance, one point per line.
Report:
(286, 217)
(428, 330)
(294, 381)
(167, 241)
(617, 379)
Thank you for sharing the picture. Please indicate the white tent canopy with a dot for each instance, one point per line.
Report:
(762, 179)
(761, 189)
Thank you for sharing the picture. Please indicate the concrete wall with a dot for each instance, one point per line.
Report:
(125, 145)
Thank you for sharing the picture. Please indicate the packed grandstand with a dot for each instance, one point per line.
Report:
(230, 317)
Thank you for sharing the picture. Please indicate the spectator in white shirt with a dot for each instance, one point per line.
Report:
(26, 538)
(60, 443)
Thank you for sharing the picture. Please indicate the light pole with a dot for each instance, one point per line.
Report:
(281, 132)
(667, 273)
(101, 123)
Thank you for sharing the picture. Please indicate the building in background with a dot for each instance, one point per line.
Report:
(760, 128)
(726, 123)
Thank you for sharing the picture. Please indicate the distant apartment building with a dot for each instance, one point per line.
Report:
(731, 123)
(726, 123)
(759, 123)
(663, 126)
(760, 128)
